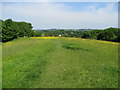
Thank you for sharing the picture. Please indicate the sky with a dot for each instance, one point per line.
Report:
(66, 15)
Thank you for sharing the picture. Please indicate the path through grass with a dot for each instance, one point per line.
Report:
(59, 63)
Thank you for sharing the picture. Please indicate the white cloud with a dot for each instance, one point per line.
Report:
(58, 15)
(26, 0)
(59, 0)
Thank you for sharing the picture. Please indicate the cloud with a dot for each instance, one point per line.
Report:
(0, 10)
(59, 15)
(60, 0)
(26, 0)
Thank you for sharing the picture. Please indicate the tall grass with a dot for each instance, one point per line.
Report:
(60, 63)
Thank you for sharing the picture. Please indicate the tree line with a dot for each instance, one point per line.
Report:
(10, 30)
(109, 34)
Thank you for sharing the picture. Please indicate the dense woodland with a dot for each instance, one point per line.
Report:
(11, 30)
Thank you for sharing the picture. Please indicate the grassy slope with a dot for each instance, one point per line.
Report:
(59, 63)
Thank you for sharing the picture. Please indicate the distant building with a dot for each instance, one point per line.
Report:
(60, 35)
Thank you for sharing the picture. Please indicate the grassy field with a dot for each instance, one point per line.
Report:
(59, 63)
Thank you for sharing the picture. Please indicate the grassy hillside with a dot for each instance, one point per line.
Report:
(48, 62)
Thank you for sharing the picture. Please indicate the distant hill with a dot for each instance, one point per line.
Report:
(65, 29)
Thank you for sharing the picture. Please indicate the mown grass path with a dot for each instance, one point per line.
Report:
(60, 63)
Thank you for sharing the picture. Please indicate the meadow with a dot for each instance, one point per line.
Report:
(59, 62)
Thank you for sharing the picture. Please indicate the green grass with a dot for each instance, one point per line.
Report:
(59, 63)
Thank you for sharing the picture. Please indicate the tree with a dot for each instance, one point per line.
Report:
(12, 30)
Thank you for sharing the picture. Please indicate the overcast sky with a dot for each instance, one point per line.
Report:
(68, 15)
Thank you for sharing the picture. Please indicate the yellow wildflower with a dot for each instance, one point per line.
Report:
(44, 37)
(8, 43)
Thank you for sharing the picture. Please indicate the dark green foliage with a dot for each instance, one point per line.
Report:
(12, 30)
(86, 35)
(91, 34)
(1, 30)
(109, 34)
